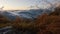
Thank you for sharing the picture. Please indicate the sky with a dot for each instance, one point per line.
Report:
(23, 4)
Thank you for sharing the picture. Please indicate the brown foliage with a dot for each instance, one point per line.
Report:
(3, 19)
(44, 24)
(48, 24)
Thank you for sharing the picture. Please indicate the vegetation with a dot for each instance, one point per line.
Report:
(44, 24)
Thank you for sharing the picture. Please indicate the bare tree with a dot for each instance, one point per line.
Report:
(53, 4)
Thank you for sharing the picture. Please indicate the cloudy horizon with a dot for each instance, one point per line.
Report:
(25, 4)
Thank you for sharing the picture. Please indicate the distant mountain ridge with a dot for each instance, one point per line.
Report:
(28, 14)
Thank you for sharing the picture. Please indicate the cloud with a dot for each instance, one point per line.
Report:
(49, 3)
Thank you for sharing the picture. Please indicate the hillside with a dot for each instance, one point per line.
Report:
(49, 24)
(43, 24)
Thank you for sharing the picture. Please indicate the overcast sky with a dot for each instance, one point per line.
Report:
(22, 4)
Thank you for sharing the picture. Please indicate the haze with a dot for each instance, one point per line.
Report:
(22, 4)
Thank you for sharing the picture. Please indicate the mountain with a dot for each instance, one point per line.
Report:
(48, 23)
(8, 15)
(28, 14)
